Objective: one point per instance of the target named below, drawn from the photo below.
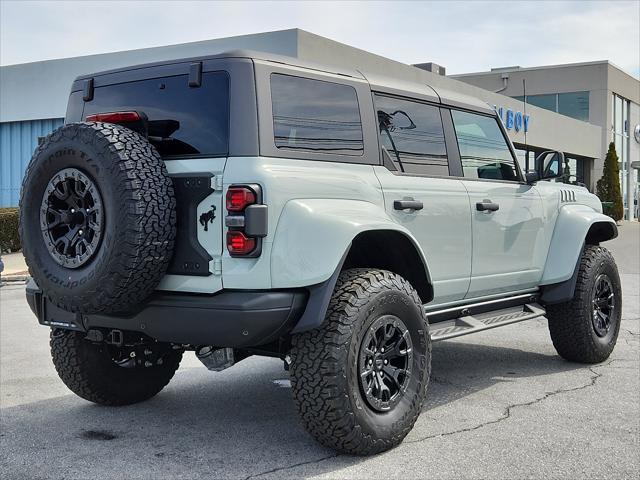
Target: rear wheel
(111, 375)
(359, 381)
(585, 329)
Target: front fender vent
(567, 196)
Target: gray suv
(247, 204)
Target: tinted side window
(183, 121)
(315, 115)
(483, 149)
(413, 135)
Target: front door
(507, 214)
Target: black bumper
(228, 318)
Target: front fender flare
(573, 225)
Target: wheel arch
(576, 226)
(394, 251)
(370, 248)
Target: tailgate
(196, 265)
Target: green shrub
(608, 187)
(9, 238)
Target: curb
(13, 279)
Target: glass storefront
(620, 131)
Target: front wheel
(110, 375)
(359, 381)
(585, 329)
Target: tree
(608, 187)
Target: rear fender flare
(312, 241)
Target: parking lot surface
(501, 404)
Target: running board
(468, 324)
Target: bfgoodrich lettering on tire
(359, 381)
(97, 217)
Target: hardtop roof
(387, 84)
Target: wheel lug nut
(382, 349)
(73, 210)
(386, 361)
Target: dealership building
(577, 109)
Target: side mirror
(549, 165)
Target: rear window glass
(315, 115)
(183, 121)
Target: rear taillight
(239, 244)
(114, 117)
(246, 220)
(238, 198)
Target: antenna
(524, 101)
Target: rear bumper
(225, 319)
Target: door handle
(408, 203)
(487, 206)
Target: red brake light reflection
(114, 117)
(239, 244)
(239, 197)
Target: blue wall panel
(18, 140)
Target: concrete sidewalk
(14, 265)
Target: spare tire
(97, 218)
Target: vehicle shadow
(236, 424)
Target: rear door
(509, 247)
(417, 172)
(188, 123)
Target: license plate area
(53, 316)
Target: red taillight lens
(114, 117)
(239, 197)
(239, 244)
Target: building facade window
(571, 104)
(620, 137)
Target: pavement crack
(507, 411)
(287, 467)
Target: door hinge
(216, 182)
(217, 266)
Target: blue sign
(513, 120)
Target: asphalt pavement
(501, 404)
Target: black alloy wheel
(386, 356)
(603, 305)
(71, 217)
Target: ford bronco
(249, 204)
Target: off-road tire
(139, 218)
(570, 323)
(324, 371)
(88, 370)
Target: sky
(463, 36)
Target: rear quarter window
(183, 121)
(316, 116)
